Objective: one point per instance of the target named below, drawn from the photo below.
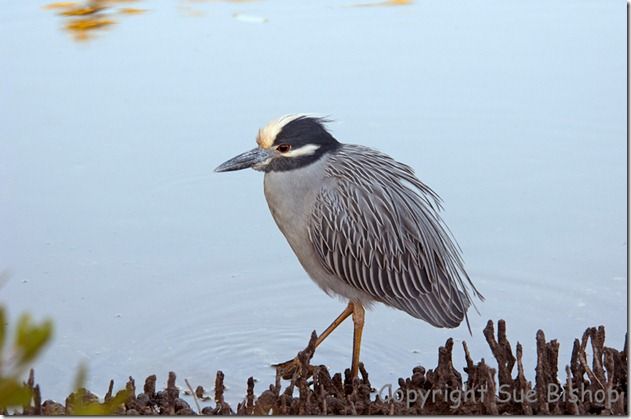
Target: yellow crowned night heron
(361, 224)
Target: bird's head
(287, 143)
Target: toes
(284, 364)
(287, 369)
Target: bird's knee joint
(358, 313)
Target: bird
(361, 224)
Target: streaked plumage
(362, 225)
(377, 227)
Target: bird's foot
(298, 366)
(288, 369)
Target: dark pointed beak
(254, 158)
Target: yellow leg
(288, 368)
(358, 322)
(347, 312)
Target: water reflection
(385, 3)
(242, 17)
(103, 232)
(83, 20)
(194, 8)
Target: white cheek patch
(305, 150)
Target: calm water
(114, 224)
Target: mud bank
(591, 384)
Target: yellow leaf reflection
(131, 11)
(82, 29)
(88, 24)
(82, 11)
(385, 3)
(83, 19)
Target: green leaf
(13, 394)
(31, 338)
(101, 409)
(81, 377)
(81, 407)
(22, 330)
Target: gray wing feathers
(377, 227)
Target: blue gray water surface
(114, 224)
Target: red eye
(283, 148)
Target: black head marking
(302, 131)
(305, 130)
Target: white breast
(291, 195)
